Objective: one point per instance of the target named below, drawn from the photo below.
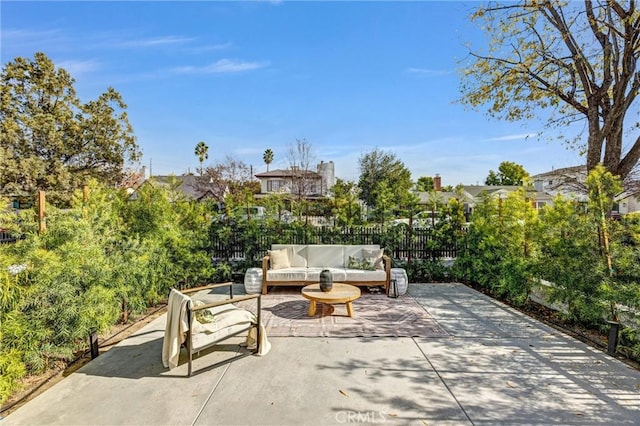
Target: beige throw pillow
(279, 259)
(357, 263)
(374, 257)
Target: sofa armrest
(265, 268)
(265, 264)
(386, 260)
(387, 269)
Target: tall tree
(300, 156)
(268, 157)
(379, 166)
(493, 179)
(410, 206)
(509, 173)
(202, 151)
(344, 203)
(385, 202)
(424, 184)
(577, 61)
(230, 177)
(51, 141)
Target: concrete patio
(495, 366)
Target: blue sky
(348, 77)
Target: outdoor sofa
(301, 264)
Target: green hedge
(510, 246)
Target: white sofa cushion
(297, 254)
(360, 275)
(289, 274)
(337, 274)
(329, 256)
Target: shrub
(499, 250)
(103, 259)
(424, 270)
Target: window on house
(274, 185)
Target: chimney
(437, 183)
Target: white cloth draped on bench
(228, 320)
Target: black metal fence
(425, 243)
(6, 237)
(401, 242)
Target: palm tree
(268, 157)
(202, 151)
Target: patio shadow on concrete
(494, 365)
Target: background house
(471, 195)
(189, 186)
(570, 182)
(308, 183)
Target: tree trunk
(613, 150)
(594, 140)
(629, 161)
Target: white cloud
(152, 42)
(13, 34)
(221, 66)
(429, 72)
(41, 40)
(515, 137)
(76, 68)
(211, 47)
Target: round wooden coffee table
(340, 293)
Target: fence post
(613, 337)
(93, 344)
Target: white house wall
(629, 204)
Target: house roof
(475, 190)
(288, 173)
(193, 187)
(562, 172)
(470, 192)
(572, 180)
(132, 179)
